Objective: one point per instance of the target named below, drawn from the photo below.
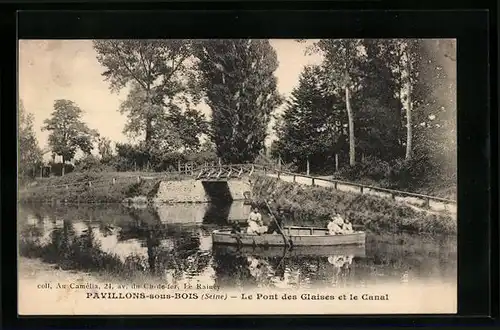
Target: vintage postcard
(237, 176)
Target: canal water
(172, 244)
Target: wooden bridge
(225, 172)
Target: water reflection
(129, 243)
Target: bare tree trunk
(307, 169)
(149, 119)
(409, 106)
(63, 162)
(352, 141)
(336, 162)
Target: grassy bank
(75, 188)
(312, 205)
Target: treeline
(380, 110)
(375, 110)
(166, 80)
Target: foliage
(342, 70)
(159, 74)
(403, 98)
(379, 128)
(91, 163)
(67, 131)
(237, 79)
(30, 155)
(105, 149)
(138, 157)
(312, 125)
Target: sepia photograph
(237, 176)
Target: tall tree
(29, 152)
(68, 133)
(238, 79)
(378, 103)
(341, 65)
(312, 124)
(158, 69)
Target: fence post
(138, 179)
(312, 182)
(90, 183)
(294, 178)
(113, 182)
(361, 190)
(278, 174)
(393, 196)
(428, 202)
(335, 185)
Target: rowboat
(295, 236)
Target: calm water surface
(173, 244)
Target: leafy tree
(67, 131)
(30, 154)
(162, 133)
(378, 101)
(237, 77)
(312, 125)
(341, 63)
(104, 147)
(190, 125)
(158, 69)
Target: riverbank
(309, 205)
(97, 187)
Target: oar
(277, 223)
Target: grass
(74, 187)
(307, 205)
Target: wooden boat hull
(298, 251)
(298, 236)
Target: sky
(68, 69)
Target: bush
(370, 168)
(91, 163)
(56, 168)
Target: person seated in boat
(335, 225)
(273, 227)
(235, 227)
(255, 223)
(347, 227)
